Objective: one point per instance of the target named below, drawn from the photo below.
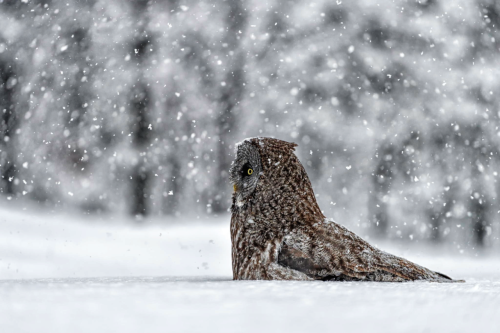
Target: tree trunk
(381, 179)
(8, 83)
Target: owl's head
(267, 173)
(258, 158)
(245, 169)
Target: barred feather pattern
(278, 231)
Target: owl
(278, 231)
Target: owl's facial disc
(245, 170)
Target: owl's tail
(410, 271)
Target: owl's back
(329, 251)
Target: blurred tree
(381, 179)
(8, 124)
(140, 175)
(140, 106)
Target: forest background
(134, 107)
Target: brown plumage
(279, 233)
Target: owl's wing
(329, 251)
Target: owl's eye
(246, 170)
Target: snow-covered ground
(67, 274)
(46, 246)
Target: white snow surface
(68, 274)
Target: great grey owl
(278, 231)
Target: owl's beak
(235, 188)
